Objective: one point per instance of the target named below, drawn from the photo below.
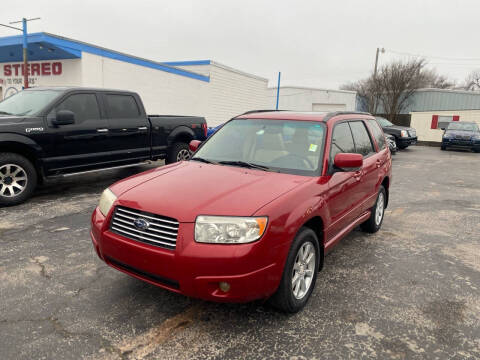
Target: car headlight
(404, 133)
(229, 230)
(106, 201)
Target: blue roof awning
(44, 46)
(39, 48)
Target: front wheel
(18, 179)
(179, 151)
(374, 222)
(299, 274)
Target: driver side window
(84, 106)
(342, 140)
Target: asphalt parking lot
(410, 291)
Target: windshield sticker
(312, 147)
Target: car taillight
(205, 129)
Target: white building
(312, 99)
(203, 88)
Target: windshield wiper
(5, 113)
(246, 165)
(206, 161)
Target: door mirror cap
(348, 161)
(194, 144)
(64, 117)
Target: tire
(290, 297)
(18, 179)
(178, 152)
(476, 150)
(443, 147)
(374, 223)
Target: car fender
(24, 141)
(181, 131)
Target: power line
(432, 57)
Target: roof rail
(336, 113)
(258, 111)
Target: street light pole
(24, 46)
(25, 54)
(375, 78)
(278, 90)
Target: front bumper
(193, 269)
(459, 143)
(406, 141)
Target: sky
(313, 43)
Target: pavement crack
(39, 261)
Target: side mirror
(194, 144)
(64, 117)
(348, 161)
(442, 129)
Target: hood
(462, 133)
(188, 189)
(399, 128)
(20, 121)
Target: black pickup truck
(51, 132)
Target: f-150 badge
(30, 130)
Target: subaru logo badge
(141, 224)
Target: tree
(472, 82)
(391, 90)
(366, 92)
(433, 80)
(397, 82)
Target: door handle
(379, 163)
(142, 128)
(102, 130)
(358, 175)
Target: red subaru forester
(255, 210)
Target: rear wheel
(18, 179)
(374, 222)
(179, 151)
(443, 147)
(299, 274)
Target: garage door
(329, 107)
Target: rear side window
(84, 106)
(363, 143)
(377, 133)
(122, 106)
(342, 140)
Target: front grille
(412, 133)
(462, 137)
(160, 230)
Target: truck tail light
(205, 129)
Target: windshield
(462, 126)
(27, 102)
(383, 122)
(288, 146)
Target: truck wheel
(374, 222)
(299, 274)
(178, 152)
(18, 179)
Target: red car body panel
(338, 201)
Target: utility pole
(375, 78)
(24, 46)
(278, 90)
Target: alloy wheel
(303, 270)
(183, 154)
(379, 209)
(13, 180)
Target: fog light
(224, 286)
